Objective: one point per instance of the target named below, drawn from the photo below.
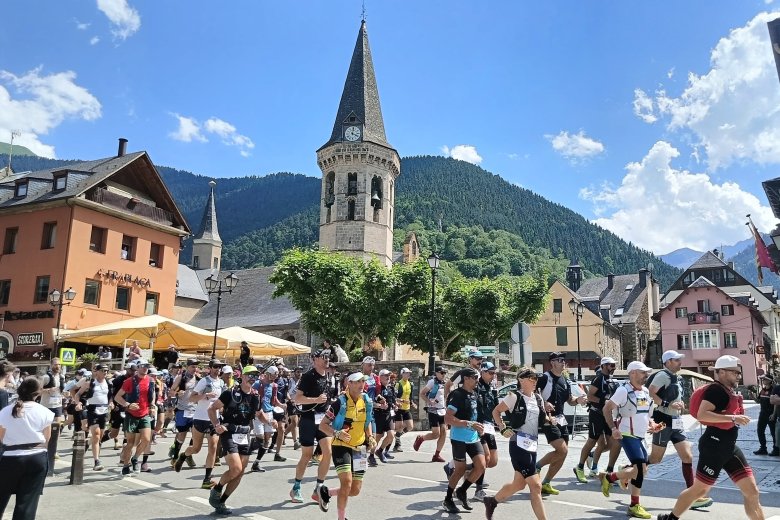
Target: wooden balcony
(702, 318)
(130, 205)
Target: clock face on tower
(352, 133)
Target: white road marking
(419, 479)
(583, 506)
(199, 500)
(251, 516)
(140, 482)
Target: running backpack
(734, 407)
(89, 393)
(133, 396)
(667, 393)
(434, 389)
(338, 420)
(516, 417)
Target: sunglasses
(558, 360)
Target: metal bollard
(77, 461)
(52, 447)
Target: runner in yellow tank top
(404, 402)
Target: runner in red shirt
(136, 395)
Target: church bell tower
(359, 168)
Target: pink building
(704, 322)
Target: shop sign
(29, 339)
(706, 363)
(31, 315)
(109, 275)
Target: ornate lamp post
(56, 300)
(433, 262)
(214, 286)
(578, 309)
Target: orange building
(109, 229)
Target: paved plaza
(407, 488)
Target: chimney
(643, 278)
(731, 265)
(610, 281)
(122, 147)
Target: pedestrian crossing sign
(68, 356)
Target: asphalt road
(410, 487)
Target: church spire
(208, 224)
(359, 104)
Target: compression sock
(260, 453)
(218, 487)
(581, 465)
(224, 498)
(480, 481)
(612, 477)
(634, 500)
(450, 491)
(297, 484)
(687, 471)
(465, 486)
(208, 473)
(145, 459)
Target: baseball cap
(226, 370)
(557, 355)
(368, 360)
(153, 371)
(476, 354)
(191, 362)
(671, 354)
(469, 372)
(405, 370)
(384, 372)
(487, 366)
(608, 361)
(81, 371)
(130, 364)
(441, 370)
(638, 365)
(299, 368)
(272, 370)
(101, 367)
(321, 352)
(357, 376)
(165, 372)
(249, 370)
(767, 377)
(527, 373)
(726, 362)
(215, 363)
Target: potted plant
(87, 361)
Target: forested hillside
(489, 226)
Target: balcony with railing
(703, 318)
(130, 205)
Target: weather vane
(363, 13)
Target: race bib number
(318, 418)
(677, 423)
(242, 439)
(122, 414)
(489, 429)
(527, 442)
(560, 420)
(55, 402)
(189, 414)
(359, 461)
(101, 410)
(392, 413)
(441, 411)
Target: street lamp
(578, 309)
(433, 262)
(214, 286)
(56, 300)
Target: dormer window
(60, 182)
(21, 189)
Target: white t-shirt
(53, 399)
(438, 400)
(531, 424)
(633, 410)
(99, 393)
(207, 385)
(27, 429)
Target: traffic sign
(68, 356)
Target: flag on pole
(762, 253)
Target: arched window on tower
(376, 196)
(330, 189)
(352, 185)
(351, 209)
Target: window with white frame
(729, 340)
(683, 342)
(705, 339)
(680, 312)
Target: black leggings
(763, 422)
(24, 477)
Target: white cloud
(670, 73)
(81, 26)
(39, 104)
(462, 152)
(643, 106)
(732, 110)
(125, 21)
(660, 208)
(94, 40)
(575, 147)
(189, 130)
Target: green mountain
(488, 226)
(745, 264)
(18, 150)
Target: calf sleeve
(640, 477)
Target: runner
(348, 421)
(434, 396)
(487, 400)
(238, 406)
(136, 396)
(721, 410)
(292, 411)
(74, 409)
(475, 358)
(667, 393)
(601, 388)
(185, 409)
(265, 424)
(633, 405)
(118, 413)
(97, 395)
(208, 390)
(526, 417)
(465, 439)
(312, 397)
(556, 392)
(280, 412)
(404, 390)
(53, 386)
(384, 410)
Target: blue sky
(655, 119)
